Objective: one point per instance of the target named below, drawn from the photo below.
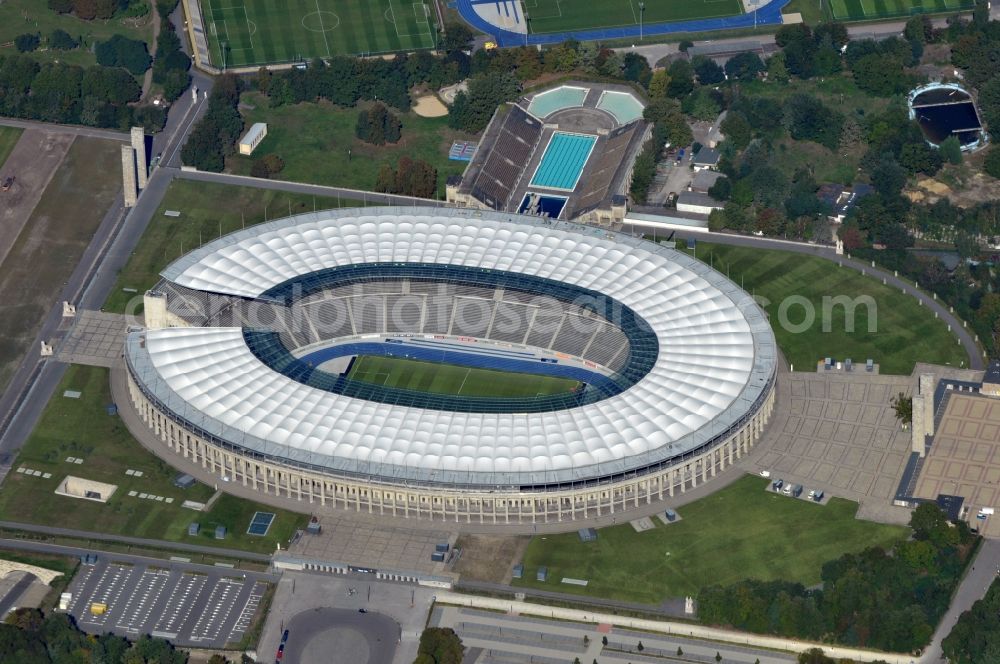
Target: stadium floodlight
(642, 10)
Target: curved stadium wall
(689, 395)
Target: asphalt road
(67, 129)
(339, 636)
(964, 335)
(136, 541)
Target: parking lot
(191, 605)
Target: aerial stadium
(474, 366)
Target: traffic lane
(317, 630)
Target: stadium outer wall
(279, 483)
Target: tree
(266, 166)
(815, 656)
(457, 37)
(680, 653)
(777, 69)
(377, 125)
(744, 67)
(920, 158)
(808, 119)
(26, 43)
(61, 6)
(736, 129)
(472, 110)
(903, 406)
(217, 659)
(441, 645)
(722, 189)
(708, 72)
(888, 178)
(681, 79)
(61, 40)
(658, 84)
(951, 150)
(879, 75)
(718, 656)
(121, 51)
(992, 162)
(640, 647)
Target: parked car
(777, 484)
(818, 497)
(765, 473)
(812, 494)
(787, 490)
(284, 637)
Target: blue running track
(770, 14)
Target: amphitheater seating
(610, 154)
(413, 307)
(516, 141)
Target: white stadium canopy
(716, 353)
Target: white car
(812, 494)
(765, 473)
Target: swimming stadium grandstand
(292, 358)
(563, 153)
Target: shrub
(60, 40)
(121, 51)
(992, 163)
(26, 43)
(61, 6)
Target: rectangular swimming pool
(563, 162)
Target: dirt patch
(429, 106)
(31, 163)
(58, 230)
(489, 558)
(933, 186)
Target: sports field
(253, 32)
(453, 379)
(740, 532)
(857, 10)
(563, 15)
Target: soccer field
(453, 379)
(561, 15)
(856, 10)
(253, 32)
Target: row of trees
(888, 600)
(98, 9)
(54, 92)
(975, 638)
(411, 177)
(27, 635)
(171, 66)
(214, 137)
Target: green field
(858, 10)
(314, 140)
(905, 332)
(81, 428)
(456, 380)
(32, 16)
(562, 15)
(202, 219)
(740, 532)
(255, 32)
(9, 137)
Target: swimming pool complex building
(563, 153)
(240, 369)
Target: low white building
(693, 201)
(253, 137)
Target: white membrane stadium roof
(716, 357)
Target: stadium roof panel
(717, 353)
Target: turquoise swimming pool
(548, 102)
(622, 105)
(563, 161)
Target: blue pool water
(563, 161)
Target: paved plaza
(837, 431)
(298, 593)
(965, 457)
(362, 543)
(496, 638)
(193, 606)
(95, 339)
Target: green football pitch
(856, 10)
(254, 32)
(455, 380)
(562, 15)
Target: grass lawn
(838, 91)
(452, 379)
(52, 242)
(559, 16)
(255, 32)
(9, 137)
(811, 10)
(30, 16)
(905, 332)
(81, 428)
(858, 10)
(207, 210)
(740, 532)
(314, 139)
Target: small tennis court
(563, 162)
(260, 523)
